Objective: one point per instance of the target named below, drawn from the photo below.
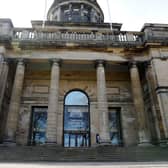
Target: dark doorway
(115, 126)
(76, 120)
(38, 125)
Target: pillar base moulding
(9, 142)
(145, 143)
(103, 142)
(48, 143)
(163, 143)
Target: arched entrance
(76, 119)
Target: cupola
(76, 11)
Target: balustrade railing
(74, 36)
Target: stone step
(99, 154)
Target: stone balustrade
(93, 35)
(120, 37)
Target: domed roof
(59, 1)
(75, 11)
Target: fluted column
(153, 98)
(3, 79)
(14, 107)
(53, 103)
(143, 132)
(102, 103)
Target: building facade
(73, 82)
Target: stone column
(163, 103)
(153, 98)
(14, 107)
(102, 103)
(1, 66)
(3, 79)
(143, 132)
(53, 103)
(3, 74)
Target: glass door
(38, 126)
(115, 126)
(77, 139)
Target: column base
(10, 143)
(163, 143)
(145, 144)
(49, 143)
(104, 142)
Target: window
(76, 120)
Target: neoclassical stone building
(71, 81)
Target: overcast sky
(132, 13)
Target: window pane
(39, 123)
(76, 118)
(76, 98)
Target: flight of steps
(97, 154)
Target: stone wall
(36, 89)
(161, 73)
(160, 64)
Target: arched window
(76, 119)
(76, 98)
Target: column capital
(132, 64)
(100, 63)
(21, 61)
(5, 60)
(148, 64)
(55, 61)
(2, 50)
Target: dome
(76, 11)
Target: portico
(76, 83)
(104, 84)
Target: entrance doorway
(38, 126)
(115, 126)
(76, 120)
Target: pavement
(85, 165)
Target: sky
(131, 13)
